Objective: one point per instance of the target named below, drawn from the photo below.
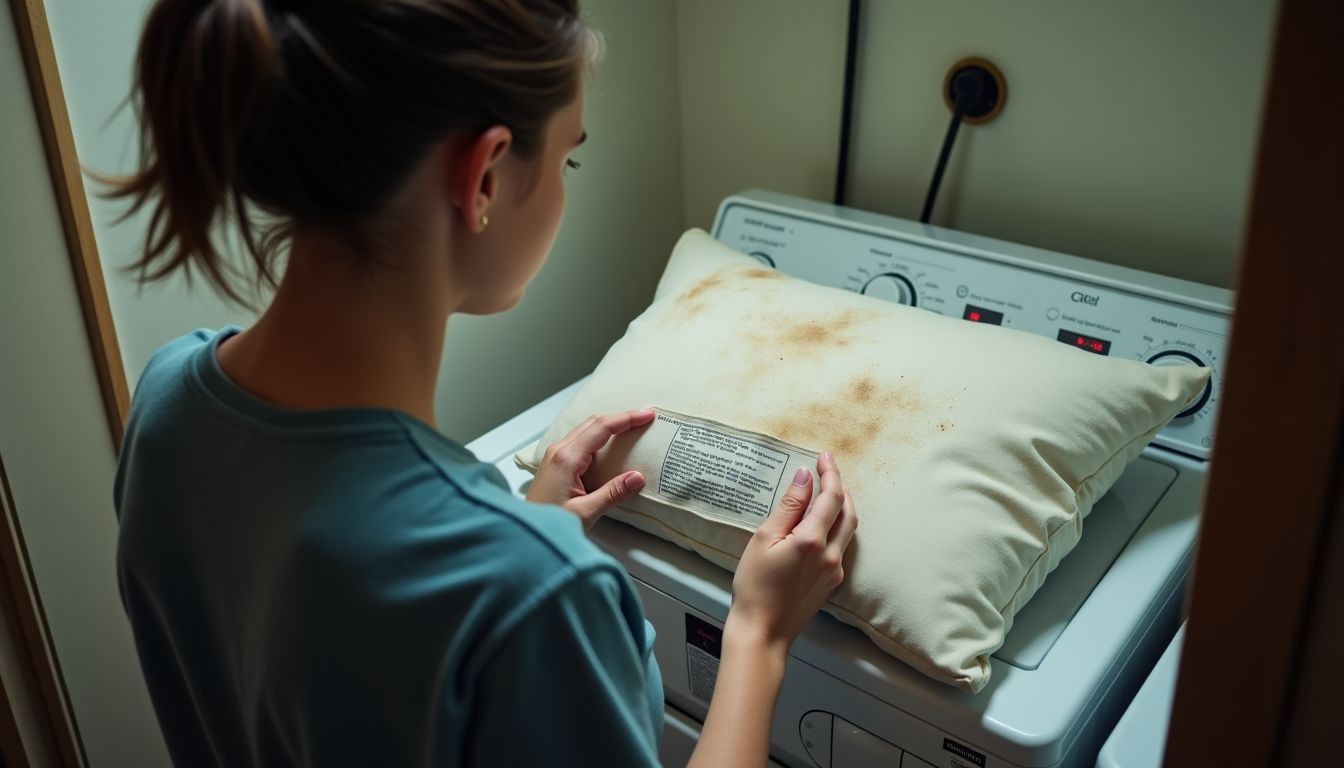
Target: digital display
(981, 315)
(1090, 343)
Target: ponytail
(206, 74)
(272, 115)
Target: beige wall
(95, 46)
(1127, 135)
(56, 447)
(761, 87)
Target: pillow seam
(1073, 516)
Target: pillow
(973, 452)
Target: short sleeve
(568, 684)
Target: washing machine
(1140, 738)
(1079, 651)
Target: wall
(1127, 135)
(95, 48)
(762, 82)
(57, 451)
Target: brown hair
(276, 114)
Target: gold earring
(485, 221)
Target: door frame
(67, 178)
(1275, 482)
(40, 684)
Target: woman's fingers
(791, 507)
(845, 524)
(613, 492)
(827, 503)
(570, 435)
(599, 429)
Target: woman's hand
(790, 567)
(793, 562)
(559, 479)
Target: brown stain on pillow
(735, 278)
(698, 290)
(756, 273)
(808, 337)
(863, 389)
(692, 302)
(866, 420)
(698, 297)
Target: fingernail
(827, 456)
(800, 477)
(634, 483)
(646, 409)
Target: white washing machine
(1140, 737)
(1080, 649)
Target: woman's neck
(345, 334)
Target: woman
(313, 574)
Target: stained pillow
(973, 452)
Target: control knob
(892, 287)
(1172, 357)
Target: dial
(892, 287)
(764, 258)
(1172, 357)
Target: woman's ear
(474, 174)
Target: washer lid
(1107, 530)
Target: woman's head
(314, 114)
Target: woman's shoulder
(174, 354)
(477, 491)
(417, 510)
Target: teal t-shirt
(351, 587)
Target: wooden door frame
(12, 751)
(53, 119)
(21, 608)
(20, 602)
(1275, 477)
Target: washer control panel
(1098, 308)
(834, 742)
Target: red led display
(981, 315)
(1090, 343)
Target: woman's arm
(737, 729)
(789, 569)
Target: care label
(720, 471)
(704, 646)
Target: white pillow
(973, 452)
